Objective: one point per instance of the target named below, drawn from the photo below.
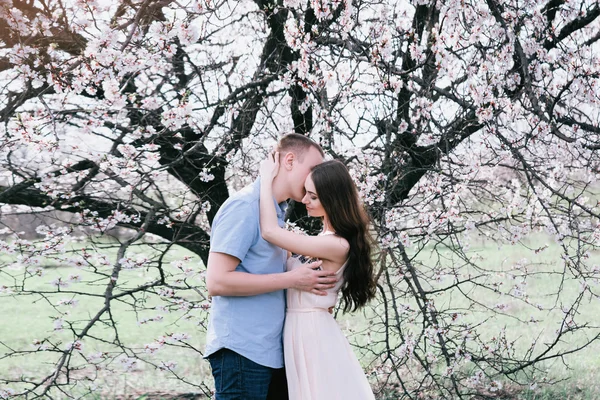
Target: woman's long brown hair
(339, 197)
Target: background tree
(459, 120)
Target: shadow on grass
(156, 396)
(573, 391)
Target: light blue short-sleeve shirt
(249, 325)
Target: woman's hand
(269, 168)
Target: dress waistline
(307, 310)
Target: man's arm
(223, 280)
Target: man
(246, 277)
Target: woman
(320, 364)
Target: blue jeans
(238, 378)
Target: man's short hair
(297, 144)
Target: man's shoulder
(244, 200)
(247, 194)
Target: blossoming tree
(459, 120)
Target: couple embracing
(255, 323)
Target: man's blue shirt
(249, 325)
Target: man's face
(300, 171)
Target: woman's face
(311, 199)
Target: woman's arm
(267, 213)
(329, 247)
(223, 280)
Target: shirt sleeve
(235, 230)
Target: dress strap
(339, 271)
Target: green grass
(27, 318)
(576, 389)
(579, 381)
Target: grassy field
(577, 374)
(25, 319)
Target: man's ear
(288, 160)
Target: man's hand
(308, 279)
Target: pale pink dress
(319, 362)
